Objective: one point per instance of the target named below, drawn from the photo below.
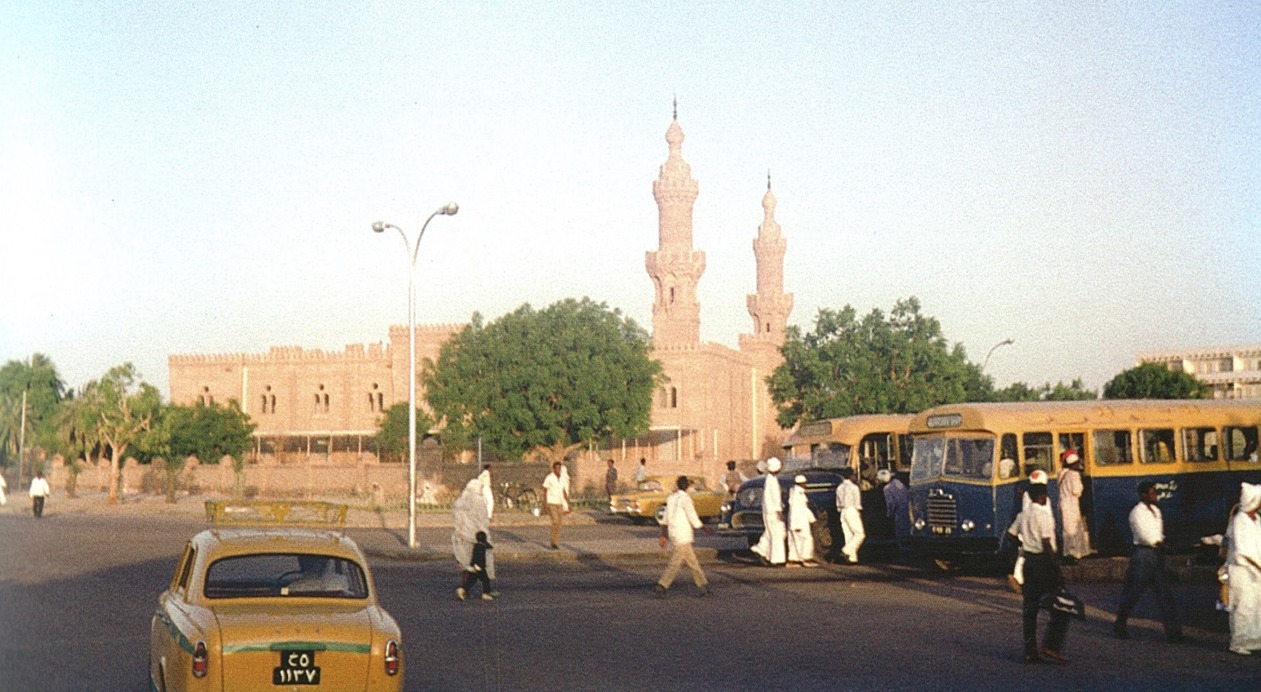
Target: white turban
(800, 480)
(773, 465)
(761, 467)
(883, 476)
(1249, 497)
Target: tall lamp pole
(412, 250)
(1004, 342)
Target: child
(477, 569)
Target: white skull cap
(773, 465)
(1038, 477)
(884, 476)
(800, 479)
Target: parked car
(742, 516)
(267, 607)
(649, 497)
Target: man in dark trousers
(1147, 566)
(1035, 528)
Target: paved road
(77, 591)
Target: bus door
(876, 451)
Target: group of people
(789, 540)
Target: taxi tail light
(391, 657)
(200, 660)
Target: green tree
(207, 432)
(1154, 381)
(116, 411)
(850, 366)
(392, 430)
(544, 382)
(44, 389)
(1019, 391)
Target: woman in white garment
(772, 544)
(468, 516)
(800, 517)
(1243, 568)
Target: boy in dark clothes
(477, 571)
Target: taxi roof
(245, 540)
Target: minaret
(770, 306)
(675, 268)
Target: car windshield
(955, 457)
(284, 575)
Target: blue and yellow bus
(970, 460)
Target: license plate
(296, 668)
(943, 530)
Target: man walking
(772, 544)
(610, 481)
(1147, 566)
(556, 496)
(800, 517)
(1035, 528)
(678, 524)
(849, 504)
(39, 491)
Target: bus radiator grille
(942, 511)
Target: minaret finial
(676, 106)
(768, 180)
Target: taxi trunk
(295, 647)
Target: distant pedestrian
(488, 491)
(1035, 529)
(1147, 566)
(897, 504)
(610, 481)
(771, 545)
(556, 496)
(1243, 569)
(1076, 540)
(641, 473)
(800, 519)
(470, 525)
(732, 480)
(679, 524)
(39, 492)
(4, 500)
(849, 504)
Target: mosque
(322, 408)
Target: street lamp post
(1004, 342)
(412, 250)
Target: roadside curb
(561, 555)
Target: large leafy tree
(874, 364)
(544, 382)
(1154, 381)
(115, 412)
(208, 432)
(392, 431)
(44, 390)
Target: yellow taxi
(273, 598)
(649, 497)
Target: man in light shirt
(678, 524)
(39, 492)
(556, 496)
(849, 504)
(1147, 566)
(1035, 528)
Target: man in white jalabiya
(849, 504)
(488, 491)
(772, 544)
(468, 517)
(1076, 541)
(1243, 569)
(800, 517)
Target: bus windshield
(955, 457)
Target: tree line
(541, 384)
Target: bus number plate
(943, 530)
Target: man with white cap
(771, 545)
(800, 517)
(849, 504)
(897, 504)
(1076, 542)
(1243, 570)
(1017, 576)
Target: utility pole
(22, 445)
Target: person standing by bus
(1243, 566)
(1035, 528)
(1076, 540)
(849, 504)
(897, 506)
(1147, 566)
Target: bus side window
(1008, 456)
(1240, 443)
(1112, 447)
(1199, 444)
(1039, 452)
(1157, 446)
(906, 445)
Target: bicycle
(517, 496)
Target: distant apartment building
(318, 406)
(1232, 372)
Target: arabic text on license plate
(296, 668)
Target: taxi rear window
(285, 575)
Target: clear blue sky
(201, 177)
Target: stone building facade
(1232, 372)
(322, 408)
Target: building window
(674, 397)
(205, 398)
(376, 399)
(321, 401)
(268, 400)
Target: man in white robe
(800, 518)
(1243, 569)
(773, 542)
(1076, 541)
(849, 504)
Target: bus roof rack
(277, 513)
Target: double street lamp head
(449, 209)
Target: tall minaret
(769, 307)
(675, 268)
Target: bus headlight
(919, 524)
(967, 525)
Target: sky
(202, 177)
